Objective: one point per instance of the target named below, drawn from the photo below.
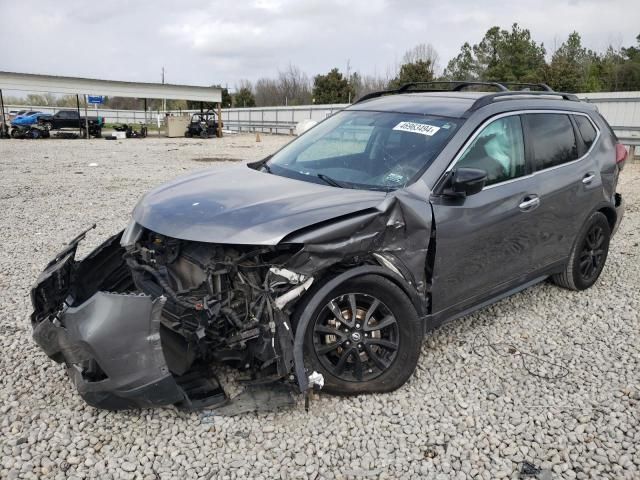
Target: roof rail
(489, 98)
(540, 86)
(457, 86)
(544, 90)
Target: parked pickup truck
(70, 119)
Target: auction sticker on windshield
(421, 128)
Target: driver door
(485, 241)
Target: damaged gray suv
(327, 262)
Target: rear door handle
(588, 178)
(530, 202)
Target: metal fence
(621, 109)
(282, 120)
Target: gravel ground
(475, 407)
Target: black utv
(203, 125)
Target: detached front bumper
(109, 342)
(111, 346)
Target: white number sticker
(421, 128)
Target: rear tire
(378, 351)
(588, 255)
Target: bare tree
(266, 92)
(364, 84)
(424, 52)
(244, 84)
(294, 86)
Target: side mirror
(464, 181)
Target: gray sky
(204, 42)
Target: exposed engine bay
(225, 302)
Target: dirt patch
(216, 159)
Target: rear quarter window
(551, 138)
(586, 129)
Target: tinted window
(498, 150)
(552, 139)
(587, 132)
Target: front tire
(588, 255)
(365, 337)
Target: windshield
(369, 150)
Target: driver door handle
(530, 202)
(588, 178)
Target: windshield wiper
(330, 181)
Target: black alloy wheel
(593, 253)
(365, 335)
(588, 255)
(356, 337)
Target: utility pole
(5, 129)
(86, 118)
(349, 79)
(164, 100)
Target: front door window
(498, 150)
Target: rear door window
(551, 139)
(586, 129)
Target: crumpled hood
(244, 206)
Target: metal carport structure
(88, 86)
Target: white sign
(421, 128)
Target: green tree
(462, 66)
(628, 71)
(501, 55)
(573, 68)
(244, 98)
(332, 88)
(418, 71)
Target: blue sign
(95, 99)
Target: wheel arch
(609, 212)
(327, 284)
